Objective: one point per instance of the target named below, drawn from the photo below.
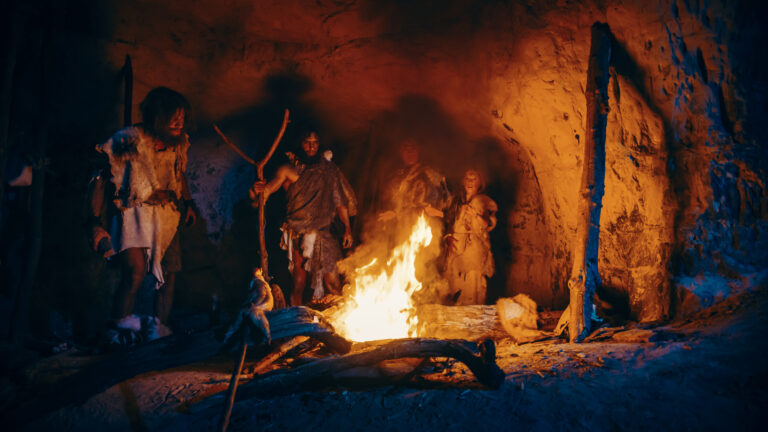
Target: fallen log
(164, 353)
(479, 358)
(276, 354)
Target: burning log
(475, 322)
(164, 353)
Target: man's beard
(171, 140)
(310, 160)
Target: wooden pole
(584, 274)
(263, 199)
(260, 174)
(227, 411)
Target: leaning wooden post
(584, 275)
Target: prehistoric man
(317, 192)
(416, 189)
(469, 261)
(140, 197)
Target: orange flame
(380, 304)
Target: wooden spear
(262, 198)
(279, 302)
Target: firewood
(277, 354)
(164, 353)
(479, 358)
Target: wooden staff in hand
(277, 294)
(262, 198)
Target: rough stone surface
(497, 84)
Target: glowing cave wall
(498, 83)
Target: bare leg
(299, 278)
(164, 298)
(332, 283)
(134, 268)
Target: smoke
(445, 149)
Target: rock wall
(497, 83)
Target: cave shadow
(626, 66)
(502, 187)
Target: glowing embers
(379, 304)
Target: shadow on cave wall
(624, 65)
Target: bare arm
(431, 211)
(492, 208)
(285, 174)
(492, 221)
(96, 192)
(343, 213)
(190, 215)
(185, 195)
(96, 209)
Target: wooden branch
(233, 146)
(263, 199)
(232, 389)
(277, 354)
(162, 354)
(481, 360)
(263, 162)
(584, 274)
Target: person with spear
(317, 193)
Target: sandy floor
(704, 374)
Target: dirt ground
(706, 373)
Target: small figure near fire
(317, 192)
(468, 258)
(149, 194)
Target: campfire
(379, 302)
